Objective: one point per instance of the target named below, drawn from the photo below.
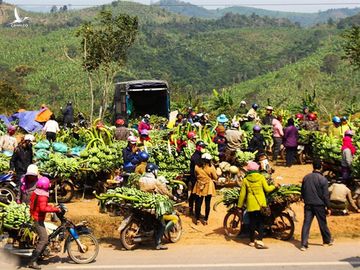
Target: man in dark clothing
(267, 120)
(257, 142)
(315, 193)
(22, 157)
(131, 154)
(194, 160)
(68, 114)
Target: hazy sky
(284, 5)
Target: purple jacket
(291, 136)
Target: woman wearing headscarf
(252, 194)
(348, 151)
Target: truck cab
(137, 98)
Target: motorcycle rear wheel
(283, 227)
(232, 223)
(127, 236)
(65, 192)
(90, 245)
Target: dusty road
(233, 255)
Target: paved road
(280, 255)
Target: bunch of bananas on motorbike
(327, 148)
(58, 165)
(4, 163)
(242, 158)
(230, 197)
(138, 199)
(14, 215)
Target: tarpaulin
(5, 119)
(27, 121)
(43, 116)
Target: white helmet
(29, 137)
(206, 156)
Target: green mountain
(350, 21)
(304, 19)
(322, 78)
(192, 54)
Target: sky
(282, 5)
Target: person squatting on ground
(340, 198)
(204, 187)
(38, 208)
(130, 154)
(151, 183)
(315, 193)
(253, 196)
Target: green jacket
(257, 183)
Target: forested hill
(304, 19)
(192, 54)
(323, 79)
(350, 21)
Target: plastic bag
(60, 147)
(44, 144)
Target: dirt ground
(105, 227)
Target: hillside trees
(104, 46)
(352, 46)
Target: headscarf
(347, 143)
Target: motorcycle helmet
(191, 135)
(344, 119)
(43, 183)
(256, 128)
(143, 156)
(255, 106)
(299, 116)
(120, 122)
(132, 139)
(336, 120)
(349, 133)
(11, 130)
(152, 168)
(201, 144)
(312, 116)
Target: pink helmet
(43, 183)
(132, 139)
(349, 133)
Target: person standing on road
(348, 151)
(278, 133)
(38, 208)
(51, 128)
(315, 193)
(204, 187)
(194, 160)
(253, 195)
(290, 141)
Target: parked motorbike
(78, 241)
(8, 188)
(279, 224)
(140, 226)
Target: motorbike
(8, 188)
(140, 226)
(331, 171)
(280, 224)
(78, 241)
(62, 190)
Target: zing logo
(19, 22)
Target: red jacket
(143, 125)
(39, 207)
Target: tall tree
(352, 46)
(105, 43)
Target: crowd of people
(229, 136)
